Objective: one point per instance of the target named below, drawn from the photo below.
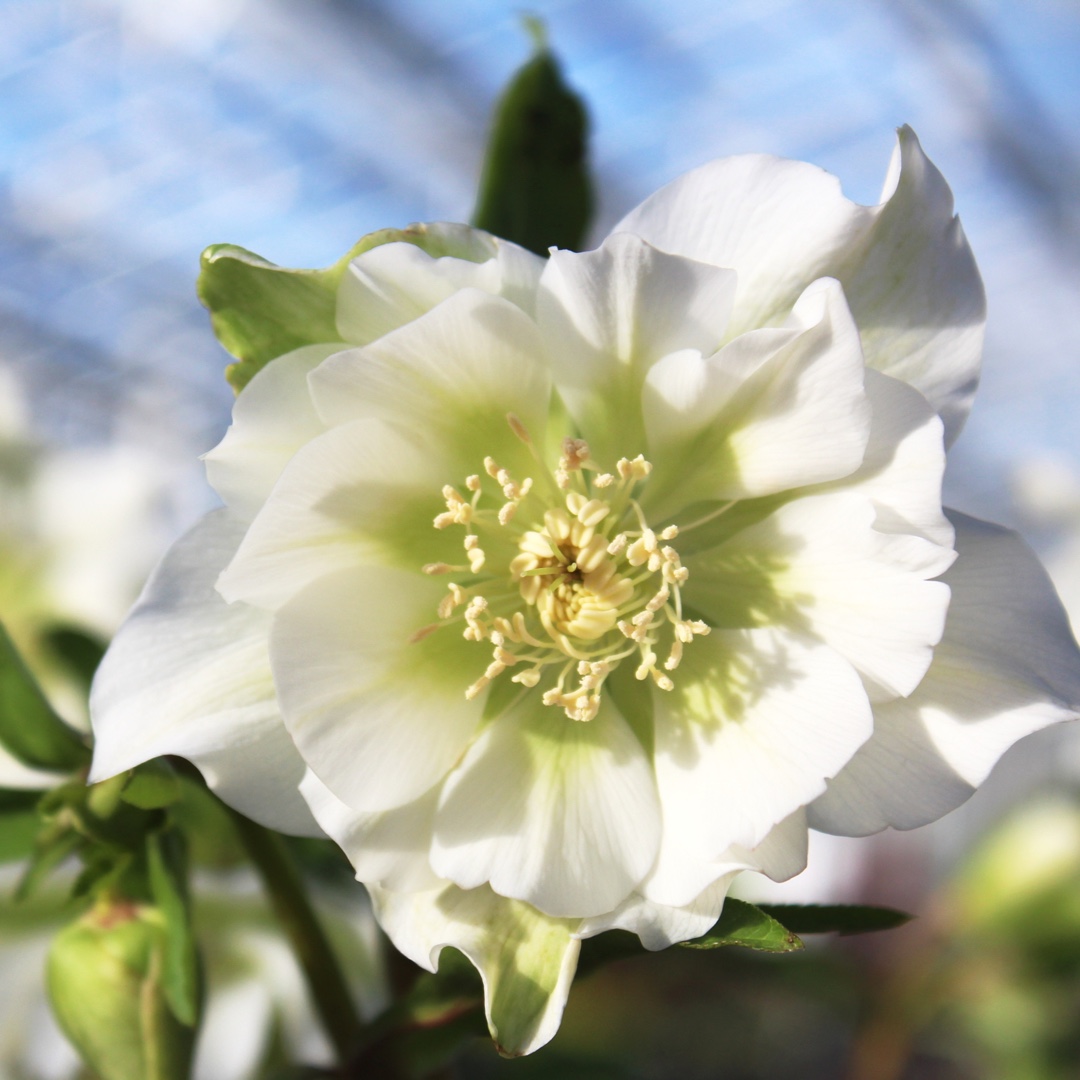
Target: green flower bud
(105, 985)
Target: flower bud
(104, 974)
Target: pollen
(566, 578)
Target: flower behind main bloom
(566, 590)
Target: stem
(288, 897)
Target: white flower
(577, 587)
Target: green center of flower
(590, 585)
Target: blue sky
(134, 133)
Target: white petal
(758, 720)
(905, 265)
(773, 410)
(915, 290)
(549, 810)
(1007, 666)
(355, 493)
(377, 716)
(781, 855)
(608, 315)
(453, 374)
(682, 874)
(188, 674)
(394, 283)
(661, 925)
(818, 563)
(777, 223)
(388, 849)
(272, 419)
(526, 959)
(904, 462)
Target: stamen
(592, 582)
(518, 428)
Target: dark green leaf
(20, 823)
(535, 188)
(167, 860)
(19, 826)
(743, 924)
(16, 800)
(78, 650)
(835, 918)
(29, 727)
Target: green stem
(288, 897)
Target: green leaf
(78, 650)
(50, 850)
(19, 824)
(835, 918)
(743, 924)
(29, 727)
(167, 860)
(260, 311)
(535, 187)
(152, 786)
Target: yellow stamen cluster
(592, 584)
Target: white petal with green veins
(526, 959)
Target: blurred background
(133, 133)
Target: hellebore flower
(563, 591)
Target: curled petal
(188, 674)
(905, 264)
(684, 895)
(818, 564)
(608, 315)
(388, 849)
(526, 959)
(1006, 666)
(453, 374)
(773, 410)
(392, 284)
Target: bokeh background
(133, 133)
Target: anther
(575, 452)
(617, 544)
(518, 428)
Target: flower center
(590, 584)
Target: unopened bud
(105, 985)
